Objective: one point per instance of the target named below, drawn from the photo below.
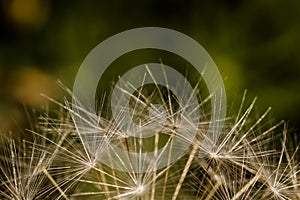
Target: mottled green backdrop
(255, 44)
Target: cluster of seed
(250, 160)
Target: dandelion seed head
(66, 158)
(274, 190)
(213, 155)
(139, 190)
(91, 164)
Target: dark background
(255, 44)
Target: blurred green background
(255, 44)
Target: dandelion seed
(64, 161)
